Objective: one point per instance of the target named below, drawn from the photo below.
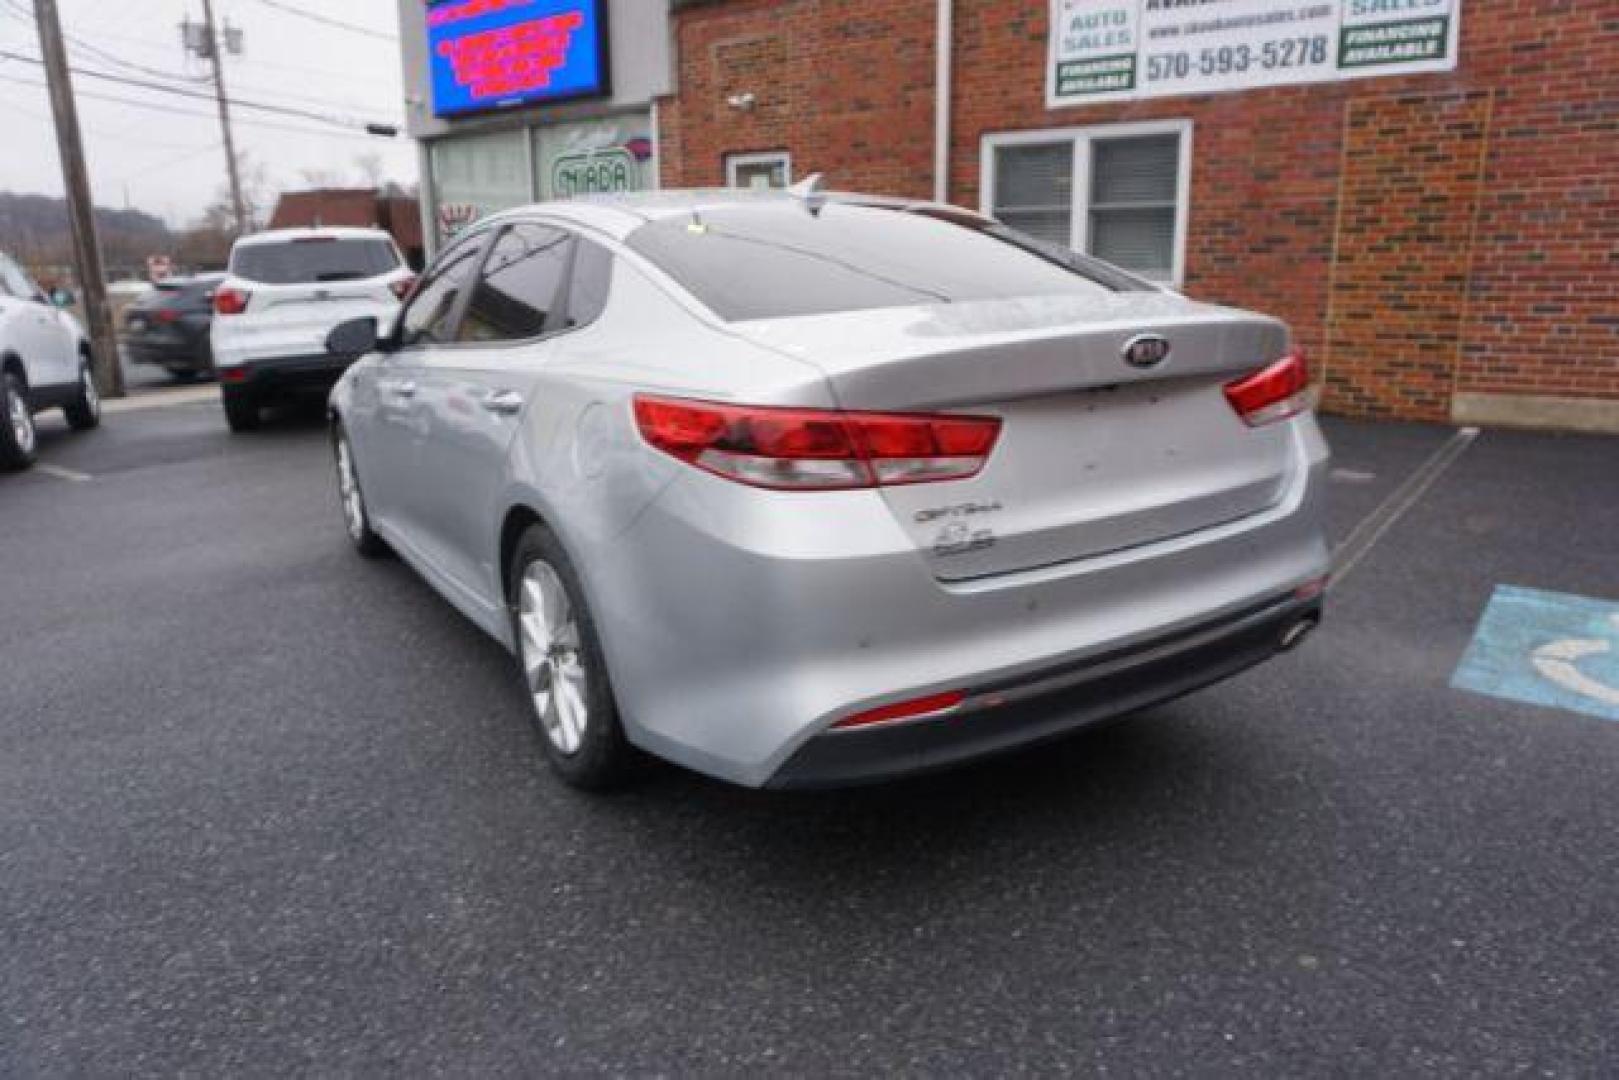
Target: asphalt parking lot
(266, 807)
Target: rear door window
(778, 259)
(314, 259)
(517, 292)
(429, 317)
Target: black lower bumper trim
(292, 376)
(1087, 693)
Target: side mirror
(353, 338)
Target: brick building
(1436, 213)
(398, 215)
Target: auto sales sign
(1103, 50)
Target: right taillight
(816, 449)
(1273, 393)
(231, 301)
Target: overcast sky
(167, 160)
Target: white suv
(44, 364)
(284, 291)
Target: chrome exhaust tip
(1299, 631)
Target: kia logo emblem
(1146, 350)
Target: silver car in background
(798, 490)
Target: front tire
(564, 673)
(356, 516)
(85, 412)
(242, 410)
(19, 445)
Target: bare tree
(371, 169)
(258, 196)
(320, 178)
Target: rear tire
(563, 670)
(242, 410)
(18, 443)
(85, 412)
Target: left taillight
(402, 287)
(1272, 393)
(231, 301)
(816, 449)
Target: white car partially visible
(44, 364)
(284, 291)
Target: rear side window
(516, 295)
(777, 259)
(591, 282)
(308, 260)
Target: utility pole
(81, 213)
(215, 48)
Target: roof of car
(277, 236)
(620, 214)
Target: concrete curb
(161, 399)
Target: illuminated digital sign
(496, 54)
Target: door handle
(504, 402)
(406, 389)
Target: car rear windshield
(778, 259)
(296, 262)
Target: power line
(103, 133)
(16, 9)
(146, 84)
(327, 20)
(151, 45)
(172, 110)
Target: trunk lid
(1095, 455)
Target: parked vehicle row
(168, 327)
(284, 291)
(799, 491)
(44, 364)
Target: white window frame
(1082, 138)
(763, 157)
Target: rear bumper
(1053, 703)
(284, 376)
(741, 626)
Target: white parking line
(62, 474)
(1372, 528)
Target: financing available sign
(1108, 50)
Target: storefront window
(475, 176)
(593, 157)
(1117, 192)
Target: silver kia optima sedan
(803, 490)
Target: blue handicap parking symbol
(1547, 649)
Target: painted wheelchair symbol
(1559, 661)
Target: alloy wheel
(348, 488)
(22, 421)
(92, 399)
(553, 664)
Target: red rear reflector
(1312, 589)
(1273, 393)
(231, 301)
(402, 287)
(905, 710)
(232, 375)
(816, 449)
